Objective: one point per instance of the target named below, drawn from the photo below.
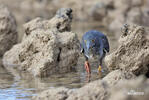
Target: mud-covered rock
(117, 75)
(135, 89)
(61, 22)
(47, 47)
(53, 94)
(145, 16)
(132, 54)
(8, 32)
(97, 90)
(97, 14)
(92, 91)
(124, 89)
(135, 16)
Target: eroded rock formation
(97, 90)
(131, 59)
(8, 32)
(132, 54)
(135, 89)
(48, 47)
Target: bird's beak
(87, 56)
(88, 50)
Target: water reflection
(22, 86)
(25, 86)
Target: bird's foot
(100, 69)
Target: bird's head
(91, 48)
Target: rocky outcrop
(118, 75)
(48, 47)
(97, 90)
(8, 32)
(92, 91)
(132, 54)
(131, 59)
(135, 89)
(123, 89)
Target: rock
(132, 54)
(127, 90)
(122, 5)
(62, 20)
(8, 32)
(116, 24)
(127, 11)
(118, 14)
(134, 16)
(145, 17)
(97, 90)
(117, 75)
(137, 2)
(98, 11)
(53, 94)
(84, 10)
(47, 47)
(124, 89)
(92, 91)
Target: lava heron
(94, 44)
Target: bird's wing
(105, 44)
(81, 48)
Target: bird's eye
(93, 41)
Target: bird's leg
(100, 71)
(100, 66)
(87, 67)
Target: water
(23, 86)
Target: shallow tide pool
(23, 86)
